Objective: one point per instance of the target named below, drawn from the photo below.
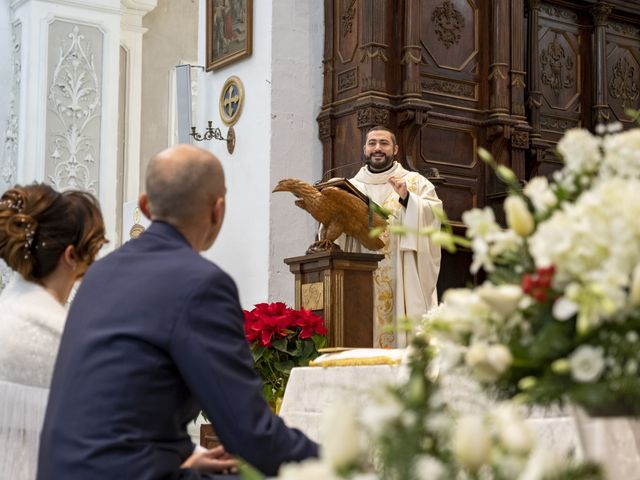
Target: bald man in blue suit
(155, 333)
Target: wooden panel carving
(449, 23)
(450, 32)
(444, 146)
(623, 68)
(458, 194)
(623, 85)
(450, 88)
(558, 66)
(369, 117)
(347, 79)
(559, 61)
(347, 40)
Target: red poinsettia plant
(282, 338)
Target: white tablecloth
(311, 390)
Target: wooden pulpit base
(339, 287)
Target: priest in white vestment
(405, 281)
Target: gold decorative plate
(231, 101)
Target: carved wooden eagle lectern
(338, 210)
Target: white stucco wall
(243, 246)
(276, 138)
(296, 151)
(6, 45)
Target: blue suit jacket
(154, 333)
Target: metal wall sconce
(215, 134)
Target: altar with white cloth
(311, 390)
(353, 375)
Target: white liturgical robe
(405, 281)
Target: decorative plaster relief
(74, 101)
(556, 66)
(449, 23)
(10, 157)
(623, 84)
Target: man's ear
(217, 211)
(395, 149)
(143, 203)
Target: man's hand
(216, 460)
(400, 186)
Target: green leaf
(247, 472)
(257, 352)
(319, 341)
(267, 391)
(307, 349)
(554, 340)
(280, 344)
(284, 366)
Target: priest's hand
(215, 460)
(400, 186)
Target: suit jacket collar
(166, 231)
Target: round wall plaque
(231, 101)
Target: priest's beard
(381, 167)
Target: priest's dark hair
(378, 128)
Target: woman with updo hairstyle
(48, 239)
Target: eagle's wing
(353, 215)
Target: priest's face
(379, 150)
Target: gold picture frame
(229, 31)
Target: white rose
(312, 469)
(564, 309)
(519, 217)
(480, 223)
(427, 467)
(472, 442)
(488, 362)
(544, 461)
(516, 437)
(449, 356)
(513, 432)
(381, 410)
(500, 358)
(538, 191)
(587, 363)
(503, 299)
(341, 446)
(580, 150)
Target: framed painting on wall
(229, 31)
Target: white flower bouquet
(407, 432)
(559, 315)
